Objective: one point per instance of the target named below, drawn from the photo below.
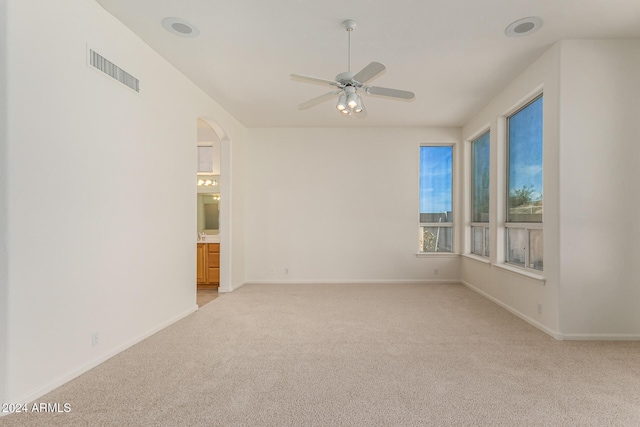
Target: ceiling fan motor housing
(345, 78)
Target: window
(524, 187)
(436, 211)
(480, 174)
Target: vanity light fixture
(207, 181)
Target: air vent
(99, 62)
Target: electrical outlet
(95, 339)
(286, 271)
(539, 308)
(435, 271)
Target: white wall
(3, 202)
(591, 229)
(338, 205)
(113, 254)
(516, 292)
(600, 210)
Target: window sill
(477, 258)
(539, 278)
(437, 255)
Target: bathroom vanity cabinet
(208, 265)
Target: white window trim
(469, 211)
(526, 225)
(528, 273)
(436, 224)
(478, 258)
(437, 254)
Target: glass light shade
(358, 108)
(342, 102)
(352, 100)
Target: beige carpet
(354, 355)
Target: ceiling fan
(349, 85)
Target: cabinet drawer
(213, 247)
(213, 259)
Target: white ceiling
(452, 53)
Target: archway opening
(212, 180)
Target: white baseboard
(65, 378)
(555, 334)
(232, 288)
(601, 337)
(345, 282)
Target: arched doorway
(214, 199)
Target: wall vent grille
(99, 62)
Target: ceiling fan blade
(391, 93)
(369, 72)
(316, 80)
(318, 100)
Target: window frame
(485, 225)
(449, 225)
(525, 226)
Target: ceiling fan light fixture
(347, 84)
(352, 100)
(359, 107)
(342, 102)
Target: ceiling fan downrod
(349, 25)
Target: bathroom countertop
(210, 238)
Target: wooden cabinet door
(213, 263)
(201, 259)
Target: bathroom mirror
(209, 213)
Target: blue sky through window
(435, 179)
(525, 149)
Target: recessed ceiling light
(524, 26)
(180, 27)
